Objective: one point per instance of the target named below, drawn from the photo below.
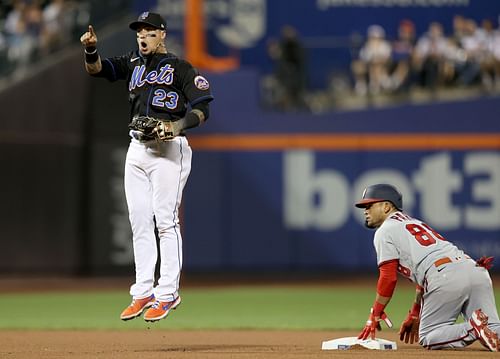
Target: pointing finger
(91, 30)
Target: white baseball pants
(155, 175)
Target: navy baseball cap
(380, 193)
(149, 19)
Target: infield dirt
(155, 343)
(192, 344)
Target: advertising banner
(294, 209)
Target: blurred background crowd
(33, 29)
(465, 61)
(469, 55)
(383, 68)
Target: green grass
(249, 307)
(215, 308)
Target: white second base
(348, 342)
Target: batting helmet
(379, 193)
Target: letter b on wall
(312, 200)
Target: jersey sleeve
(115, 68)
(385, 247)
(195, 86)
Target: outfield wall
(275, 191)
(268, 191)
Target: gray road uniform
(452, 282)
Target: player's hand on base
(373, 324)
(369, 329)
(89, 38)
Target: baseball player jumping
(449, 283)
(161, 87)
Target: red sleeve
(388, 276)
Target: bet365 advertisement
(276, 191)
(294, 209)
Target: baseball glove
(152, 128)
(166, 130)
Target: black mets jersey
(160, 85)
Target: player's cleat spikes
(160, 310)
(136, 307)
(486, 336)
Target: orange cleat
(136, 307)
(160, 310)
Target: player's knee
(165, 228)
(423, 340)
(427, 340)
(434, 341)
(140, 217)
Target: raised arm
(93, 63)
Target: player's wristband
(91, 55)
(378, 308)
(415, 310)
(189, 121)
